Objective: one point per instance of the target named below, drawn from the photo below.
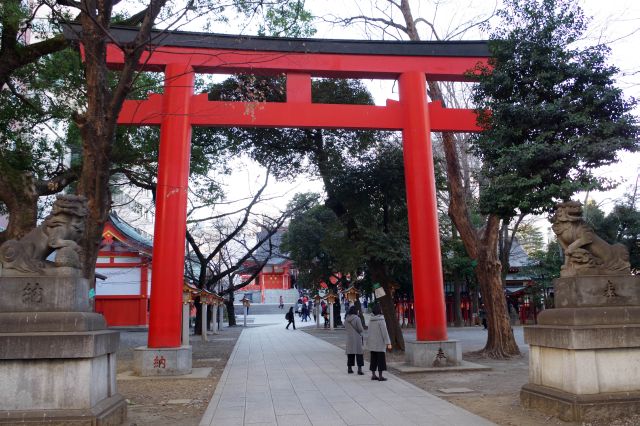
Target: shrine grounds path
(284, 377)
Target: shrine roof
(132, 236)
(457, 48)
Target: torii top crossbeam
(180, 55)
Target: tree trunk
(231, 312)
(457, 302)
(198, 327)
(97, 127)
(19, 196)
(337, 318)
(500, 340)
(379, 275)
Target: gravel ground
(161, 402)
(495, 393)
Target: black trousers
(291, 322)
(355, 357)
(378, 361)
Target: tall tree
(105, 93)
(538, 81)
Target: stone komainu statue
(60, 231)
(585, 253)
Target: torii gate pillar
(165, 355)
(431, 345)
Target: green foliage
(621, 225)
(530, 237)
(292, 152)
(278, 18)
(315, 241)
(555, 113)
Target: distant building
(277, 277)
(125, 260)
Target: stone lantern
(351, 294)
(189, 293)
(217, 303)
(206, 298)
(246, 303)
(331, 299)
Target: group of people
(378, 342)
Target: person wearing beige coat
(378, 342)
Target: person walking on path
(483, 316)
(290, 316)
(353, 326)
(378, 342)
(281, 305)
(305, 312)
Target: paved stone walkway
(283, 377)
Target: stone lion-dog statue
(60, 232)
(585, 252)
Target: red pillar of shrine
(171, 209)
(420, 182)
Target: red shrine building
(277, 277)
(124, 261)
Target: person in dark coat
(305, 312)
(354, 329)
(290, 316)
(378, 342)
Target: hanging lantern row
(330, 298)
(351, 294)
(190, 293)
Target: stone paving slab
(284, 377)
(403, 367)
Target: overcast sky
(615, 22)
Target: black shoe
(382, 379)
(360, 373)
(374, 377)
(350, 370)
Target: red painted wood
(274, 114)
(144, 279)
(228, 61)
(171, 209)
(428, 287)
(298, 88)
(177, 110)
(122, 310)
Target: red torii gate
(180, 55)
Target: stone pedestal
(57, 359)
(162, 361)
(584, 359)
(446, 353)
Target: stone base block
(40, 322)
(162, 361)
(57, 384)
(579, 408)
(601, 315)
(433, 354)
(584, 337)
(86, 344)
(597, 290)
(587, 371)
(67, 291)
(111, 411)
